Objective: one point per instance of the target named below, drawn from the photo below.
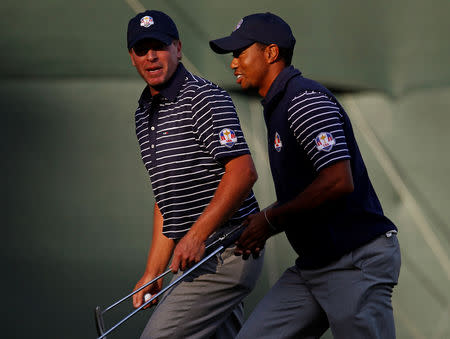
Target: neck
(153, 91)
(273, 71)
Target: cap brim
(229, 44)
(164, 38)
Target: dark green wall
(77, 202)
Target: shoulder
(304, 96)
(198, 86)
(204, 95)
(308, 99)
(310, 109)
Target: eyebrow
(238, 52)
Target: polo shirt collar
(278, 85)
(169, 90)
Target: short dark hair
(285, 53)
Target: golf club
(224, 240)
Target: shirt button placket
(153, 118)
(153, 137)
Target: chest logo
(325, 141)
(277, 142)
(147, 21)
(227, 137)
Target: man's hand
(187, 253)
(254, 237)
(138, 298)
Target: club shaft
(213, 253)
(162, 275)
(136, 291)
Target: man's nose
(151, 55)
(234, 63)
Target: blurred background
(76, 199)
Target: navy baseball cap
(266, 28)
(151, 25)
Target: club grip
(224, 238)
(233, 237)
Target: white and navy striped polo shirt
(305, 132)
(185, 134)
(309, 131)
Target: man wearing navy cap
(349, 257)
(202, 175)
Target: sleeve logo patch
(325, 141)
(277, 142)
(227, 137)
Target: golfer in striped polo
(349, 256)
(202, 175)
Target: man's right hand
(138, 298)
(253, 239)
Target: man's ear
(272, 53)
(130, 51)
(178, 46)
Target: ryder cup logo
(325, 142)
(227, 137)
(147, 21)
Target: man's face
(155, 61)
(250, 67)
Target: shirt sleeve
(317, 125)
(216, 123)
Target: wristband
(272, 227)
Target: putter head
(99, 322)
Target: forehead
(149, 44)
(252, 47)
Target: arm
(234, 187)
(331, 183)
(159, 255)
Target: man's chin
(250, 91)
(156, 84)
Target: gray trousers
(208, 303)
(352, 296)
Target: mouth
(153, 70)
(238, 77)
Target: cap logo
(239, 24)
(147, 21)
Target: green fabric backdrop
(77, 202)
